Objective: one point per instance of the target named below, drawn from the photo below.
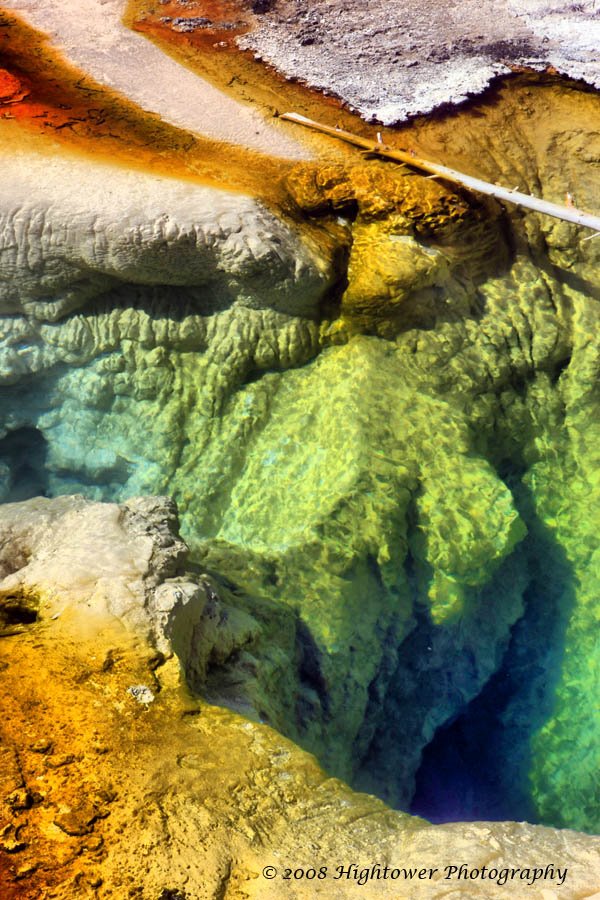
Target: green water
(411, 521)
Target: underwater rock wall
(380, 463)
(114, 781)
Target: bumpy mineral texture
(382, 444)
(115, 782)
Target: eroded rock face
(115, 782)
(70, 558)
(63, 248)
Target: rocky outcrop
(61, 249)
(97, 563)
(115, 782)
(368, 473)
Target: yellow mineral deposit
(567, 213)
(115, 783)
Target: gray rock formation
(68, 553)
(61, 248)
(90, 563)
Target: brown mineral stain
(43, 96)
(54, 841)
(11, 89)
(212, 52)
(217, 23)
(98, 827)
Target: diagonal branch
(566, 213)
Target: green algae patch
(375, 506)
(467, 524)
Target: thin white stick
(566, 213)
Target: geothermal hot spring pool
(375, 399)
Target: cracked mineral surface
(394, 60)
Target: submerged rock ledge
(374, 416)
(116, 783)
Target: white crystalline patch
(390, 61)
